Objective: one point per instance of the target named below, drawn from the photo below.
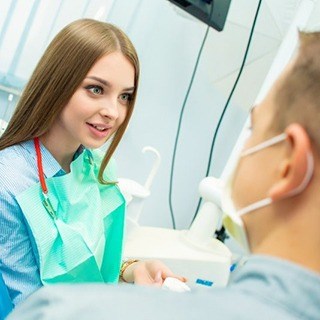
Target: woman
(61, 212)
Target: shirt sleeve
(18, 263)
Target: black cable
(228, 100)
(181, 117)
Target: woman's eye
(96, 90)
(125, 97)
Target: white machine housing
(194, 253)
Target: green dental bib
(84, 242)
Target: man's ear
(294, 169)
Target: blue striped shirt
(19, 259)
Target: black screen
(212, 12)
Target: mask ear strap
(307, 177)
(279, 138)
(299, 189)
(255, 206)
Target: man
(276, 193)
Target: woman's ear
(296, 170)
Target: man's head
(297, 94)
(282, 170)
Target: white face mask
(232, 218)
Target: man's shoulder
(136, 302)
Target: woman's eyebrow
(104, 82)
(107, 84)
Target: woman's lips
(99, 130)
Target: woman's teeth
(99, 128)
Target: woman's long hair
(60, 71)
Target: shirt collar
(51, 167)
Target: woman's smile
(99, 130)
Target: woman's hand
(149, 272)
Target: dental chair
(5, 301)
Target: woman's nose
(110, 109)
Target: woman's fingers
(153, 272)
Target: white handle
(155, 166)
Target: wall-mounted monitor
(212, 12)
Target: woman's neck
(59, 149)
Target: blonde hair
(60, 71)
(297, 96)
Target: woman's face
(99, 105)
